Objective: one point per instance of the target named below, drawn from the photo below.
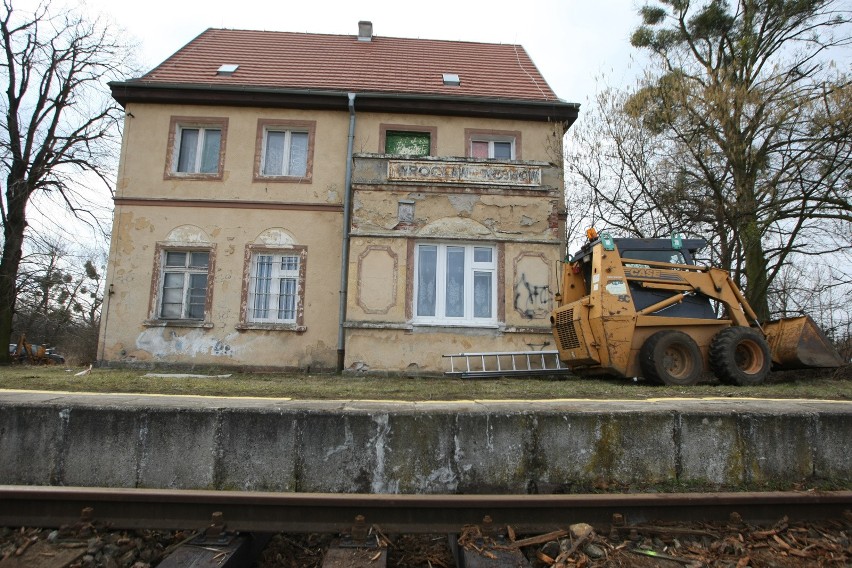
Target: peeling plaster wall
(389, 217)
(153, 208)
(145, 148)
(140, 225)
(128, 340)
(517, 217)
(419, 350)
(540, 141)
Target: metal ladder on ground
(505, 363)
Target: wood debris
(729, 545)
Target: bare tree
(59, 295)
(59, 124)
(750, 103)
(617, 170)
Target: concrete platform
(49, 438)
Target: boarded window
(408, 143)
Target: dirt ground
(824, 544)
(723, 545)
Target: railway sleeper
(217, 547)
(481, 546)
(362, 546)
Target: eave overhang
(209, 95)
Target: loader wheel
(740, 356)
(671, 357)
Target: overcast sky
(571, 41)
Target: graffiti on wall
(533, 297)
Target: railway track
(319, 512)
(350, 514)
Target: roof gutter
(344, 255)
(317, 99)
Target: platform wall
(379, 447)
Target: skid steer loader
(644, 308)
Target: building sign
(453, 172)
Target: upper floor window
(184, 284)
(455, 284)
(407, 143)
(196, 147)
(493, 144)
(408, 140)
(198, 151)
(286, 153)
(284, 150)
(491, 149)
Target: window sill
(529, 329)
(457, 325)
(271, 327)
(377, 325)
(282, 179)
(178, 323)
(194, 176)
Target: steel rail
(323, 512)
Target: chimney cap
(365, 31)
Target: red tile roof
(300, 61)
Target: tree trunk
(755, 270)
(13, 235)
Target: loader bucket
(798, 343)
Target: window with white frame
(275, 290)
(285, 153)
(494, 149)
(184, 284)
(455, 284)
(197, 150)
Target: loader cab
(658, 250)
(670, 251)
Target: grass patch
(804, 384)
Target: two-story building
(320, 202)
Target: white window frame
(491, 140)
(187, 270)
(195, 167)
(279, 271)
(470, 268)
(286, 166)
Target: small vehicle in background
(23, 352)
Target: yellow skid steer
(644, 308)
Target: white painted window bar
(503, 363)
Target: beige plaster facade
(446, 253)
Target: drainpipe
(344, 256)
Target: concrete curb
(417, 447)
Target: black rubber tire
(739, 355)
(671, 357)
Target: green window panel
(408, 143)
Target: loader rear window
(670, 256)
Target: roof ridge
(355, 36)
